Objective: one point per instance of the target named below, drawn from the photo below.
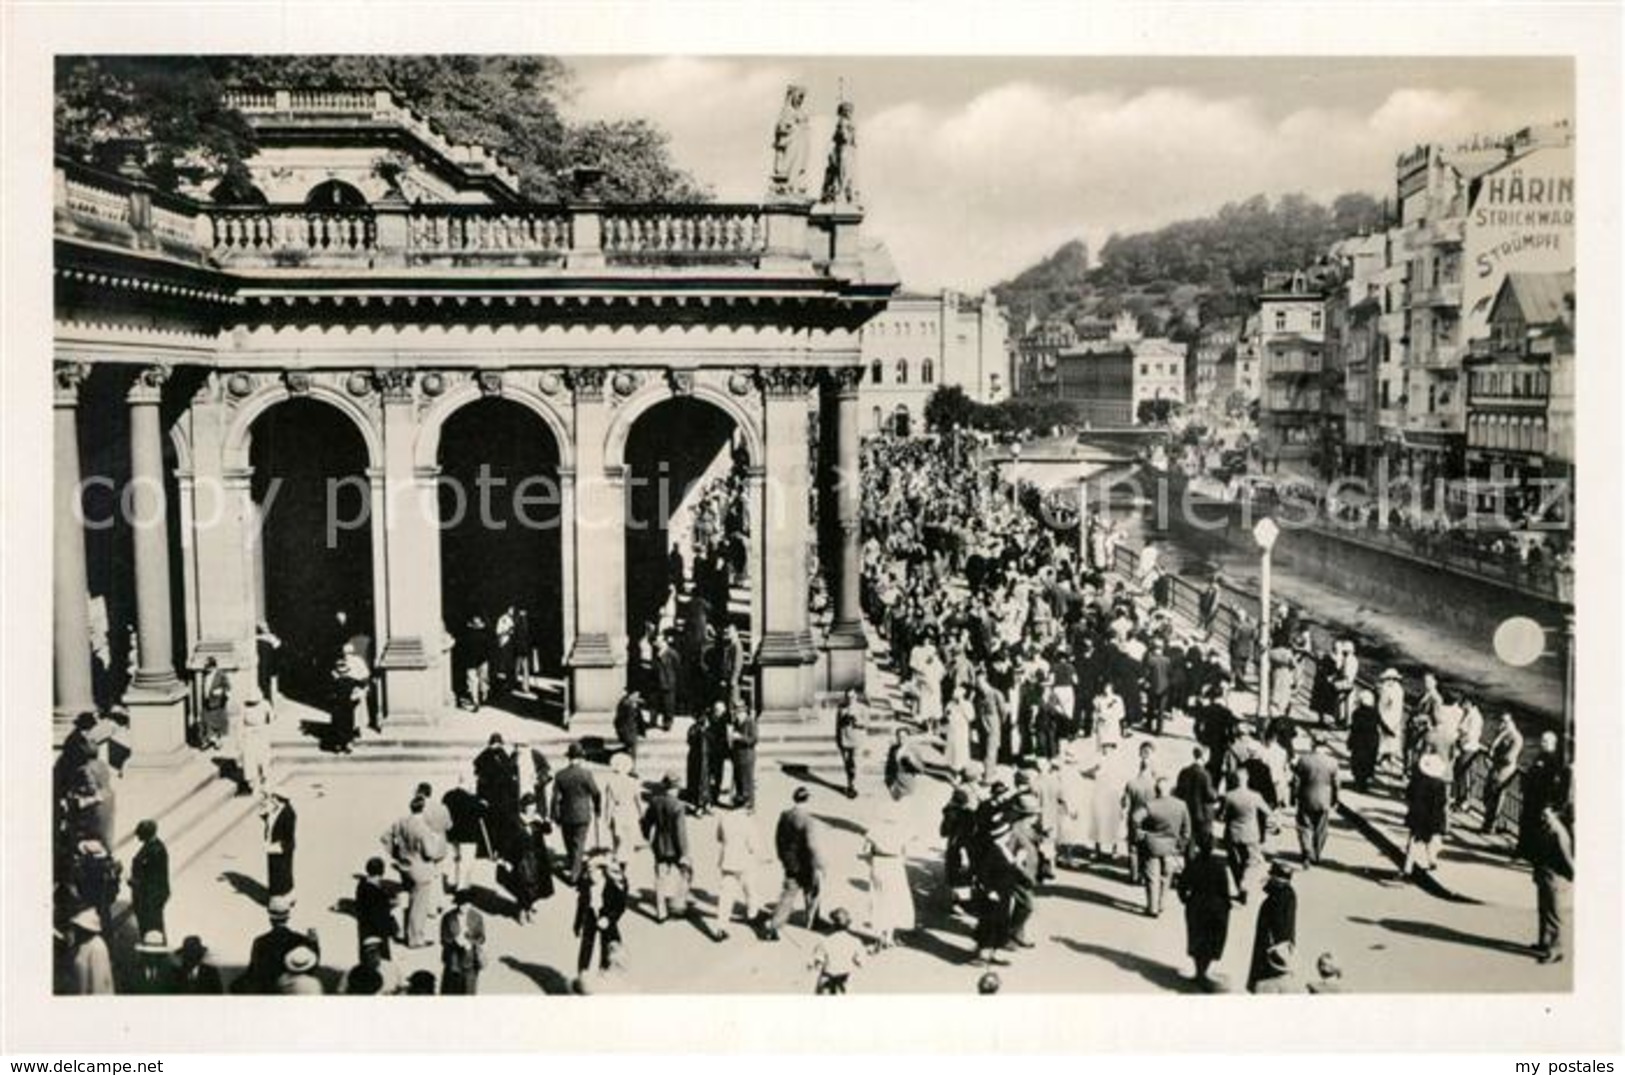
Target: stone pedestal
(407, 557)
(597, 659)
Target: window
(928, 372)
(335, 192)
(877, 372)
(1280, 320)
(1314, 320)
(902, 371)
(879, 419)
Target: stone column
(224, 539)
(755, 482)
(785, 655)
(846, 644)
(72, 692)
(598, 655)
(408, 553)
(156, 698)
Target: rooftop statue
(840, 174)
(790, 145)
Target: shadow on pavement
(1158, 974)
(546, 978)
(1434, 932)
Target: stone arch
(238, 440)
(426, 449)
(182, 443)
(658, 392)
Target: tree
(948, 407)
(509, 104)
(1155, 412)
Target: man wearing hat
(1426, 814)
(1022, 859)
(462, 947)
(576, 804)
(665, 826)
(298, 977)
(629, 722)
(375, 974)
(270, 949)
(1277, 922)
(1315, 785)
(152, 969)
(192, 975)
(796, 840)
(1279, 975)
(91, 966)
(600, 903)
(149, 879)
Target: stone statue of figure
(841, 173)
(790, 144)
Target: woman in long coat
(699, 763)
(532, 876)
(1106, 828)
(1426, 814)
(1204, 886)
(1277, 921)
(1365, 741)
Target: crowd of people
(1039, 682)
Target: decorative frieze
(788, 382)
(587, 383)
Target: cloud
(967, 192)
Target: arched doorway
(500, 544)
(335, 194)
(686, 489)
(900, 421)
(313, 556)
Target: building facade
(923, 341)
(1036, 356)
(1520, 394)
(1109, 381)
(280, 390)
(1291, 347)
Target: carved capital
(69, 376)
(587, 383)
(148, 387)
(395, 384)
(845, 381)
(788, 382)
(681, 381)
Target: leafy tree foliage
(510, 104)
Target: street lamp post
(1264, 533)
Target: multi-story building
(1215, 344)
(1468, 216)
(1291, 344)
(1109, 381)
(1520, 394)
(922, 341)
(1036, 353)
(1359, 267)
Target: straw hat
(299, 960)
(279, 906)
(1388, 673)
(153, 942)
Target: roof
(1540, 295)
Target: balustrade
(496, 231)
(706, 230)
(290, 230)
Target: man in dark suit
(665, 826)
(731, 667)
(797, 842)
(281, 829)
(374, 908)
(496, 782)
(1314, 782)
(462, 948)
(668, 674)
(149, 879)
(1194, 787)
(1246, 822)
(194, 977)
(576, 802)
(629, 722)
(270, 949)
(1159, 681)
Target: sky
(972, 168)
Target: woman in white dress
(1106, 823)
(891, 902)
(927, 666)
(622, 811)
(960, 714)
(1073, 824)
(254, 743)
(1108, 710)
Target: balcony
(1443, 356)
(1438, 422)
(1291, 364)
(1449, 231)
(593, 239)
(1444, 293)
(353, 107)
